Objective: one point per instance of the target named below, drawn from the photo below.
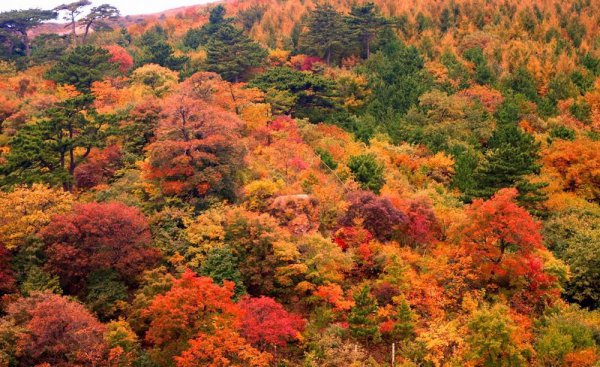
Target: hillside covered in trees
(260, 183)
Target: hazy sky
(127, 7)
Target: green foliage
(563, 332)
(49, 150)
(364, 22)
(404, 328)
(362, 317)
(221, 264)
(522, 82)
(104, 292)
(483, 74)
(156, 50)
(14, 28)
(327, 158)
(396, 77)
(230, 53)
(328, 35)
(38, 280)
(81, 67)
(562, 132)
(491, 338)
(48, 47)
(302, 94)
(574, 237)
(511, 156)
(367, 171)
(581, 110)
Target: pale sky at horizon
(127, 7)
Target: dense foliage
(298, 183)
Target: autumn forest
(295, 183)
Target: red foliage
(501, 240)
(98, 236)
(347, 237)
(121, 57)
(7, 279)
(100, 165)
(192, 308)
(423, 227)
(197, 149)
(266, 322)
(378, 215)
(58, 331)
(304, 62)
(224, 348)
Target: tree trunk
(73, 29)
(87, 30)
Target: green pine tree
(362, 318)
(82, 67)
(510, 158)
(230, 53)
(367, 172)
(365, 22)
(405, 326)
(49, 150)
(328, 35)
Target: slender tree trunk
(73, 29)
(25, 38)
(87, 30)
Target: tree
(365, 22)
(327, 34)
(221, 265)
(376, 214)
(26, 210)
(156, 50)
(301, 94)
(97, 17)
(502, 242)
(397, 78)
(229, 52)
(404, 326)
(367, 172)
(224, 348)
(73, 10)
(195, 153)
(266, 322)
(483, 74)
(21, 21)
(82, 67)
(58, 332)
(511, 157)
(492, 336)
(7, 275)
(123, 343)
(51, 149)
(109, 236)
(362, 319)
(573, 235)
(120, 56)
(193, 308)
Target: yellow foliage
(25, 211)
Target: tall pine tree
(511, 157)
(365, 22)
(362, 318)
(328, 35)
(229, 52)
